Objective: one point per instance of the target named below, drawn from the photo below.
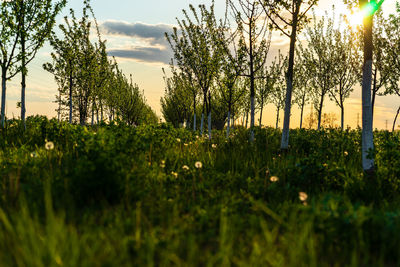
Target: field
(113, 195)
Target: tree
(369, 7)
(381, 69)
(277, 79)
(36, 19)
(254, 38)
(231, 68)
(345, 74)
(195, 52)
(175, 105)
(297, 17)
(392, 31)
(320, 58)
(9, 39)
(301, 84)
(64, 57)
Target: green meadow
(116, 195)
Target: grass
(113, 195)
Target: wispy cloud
(148, 41)
(154, 34)
(143, 54)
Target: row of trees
(89, 83)
(224, 62)
(24, 27)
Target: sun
(354, 18)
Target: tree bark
(301, 116)
(374, 91)
(321, 104)
(252, 118)
(289, 81)
(342, 117)
(194, 113)
(209, 125)
(3, 95)
(261, 110)
(23, 72)
(367, 134)
(395, 119)
(70, 94)
(277, 117)
(229, 121)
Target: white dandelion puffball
(49, 145)
(198, 165)
(185, 167)
(274, 179)
(303, 196)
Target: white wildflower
(49, 145)
(198, 164)
(303, 196)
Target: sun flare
(354, 18)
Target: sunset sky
(134, 30)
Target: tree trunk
(261, 111)
(395, 119)
(367, 134)
(321, 104)
(23, 72)
(229, 122)
(252, 85)
(374, 91)
(92, 123)
(70, 95)
(277, 117)
(202, 123)
(3, 95)
(209, 115)
(289, 81)
(252, 118)
(342, 117)
(194, 113)
(209, 125)
(301, 116)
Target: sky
(134, 30)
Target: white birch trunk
(286, 119)
(229, 122)
(209, 125)
(201, 123)
(367, 134)
(252, 113)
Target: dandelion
(197, 137)
(325, 165)
(49, 145)
(303, 196)
(175, 174)
(274, 179)
(267, 173)
(198, 165)
(346, 153)
(162, 164)
(185, 144)
(185, 167)
(178, 140)
(214, 146)
(34, 155)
